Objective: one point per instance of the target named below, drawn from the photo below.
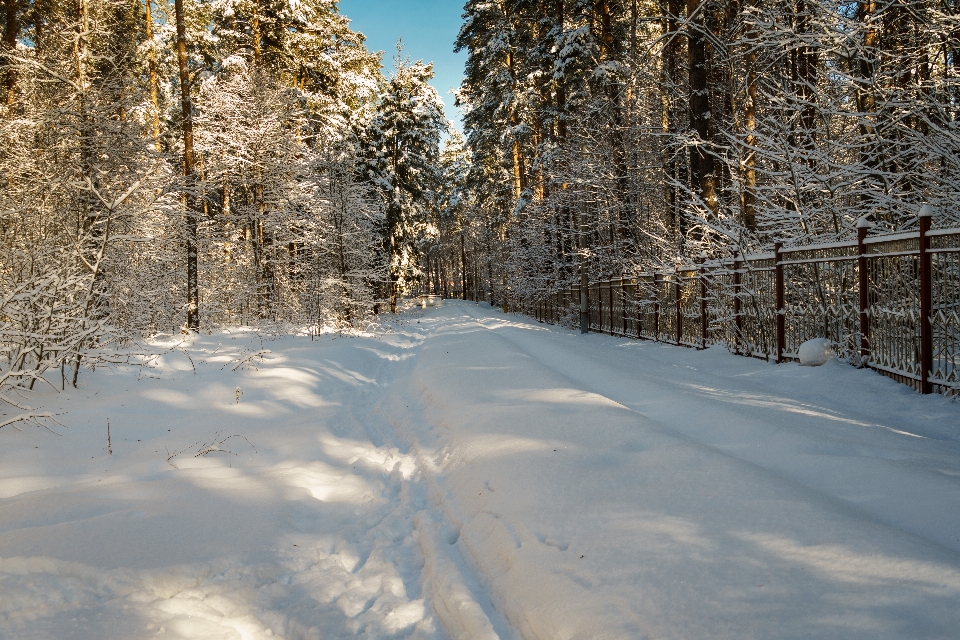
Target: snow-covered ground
(475, 475)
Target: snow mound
(816, 352)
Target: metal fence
(890, 302)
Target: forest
(622, 136)
(180, 167)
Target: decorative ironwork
(767, 305)
(945, 315)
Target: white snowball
(814, 353)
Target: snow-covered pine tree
(348, 262)
(641, 132)
(401, 160)
(81, 185)
(91, 172)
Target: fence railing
(890, 302)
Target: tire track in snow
(456, 594)
(720, 521)
(837, 483)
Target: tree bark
(255, 32)
(622, 223)
(866, 97)
(806, 77)
(189, 172)
(152, 74)
(668, 117)
(519, 168)
(10, 33)
(702, 169)
(749, 196)
(463, 266)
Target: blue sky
(428, 29)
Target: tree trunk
(519, 168)
(463, 266)
(255, 32)
(702, 170)
(186, 108)
(264, 241)
(393, 224)
(866, 96)
(806, 78)
(342, 260)
(10, 33)
(669, 118)
(749, 196)
(85, 217)
(152, 74)
(622, 222)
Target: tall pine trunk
(866, 93)
(669, 126)
(152, 74)
(749, 196)
(189, 173)
(519, 166)
(9, 43)
(702, 170)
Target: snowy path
(708, 495)
(310, 536)
(475, 475)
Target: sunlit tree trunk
(519, 166)
(152, 73)
(186, 108)
(866, 96)
(9, 43)
(255, 32)
(669, 116)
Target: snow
(470, 474)
(815, 352)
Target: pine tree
(401, 152)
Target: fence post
(623, 306)
(610, 312)
(612, 307)
(599, 308)
(656, 307)
(677, 290)
(584, 302)
(738, 320)
(636, 296)
(863, 226)
(703, 306)
(781, 320)
(926, 302)
(610, 288)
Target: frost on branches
(401, 161)
(96, 218)
(619, 137)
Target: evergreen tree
(401, 160)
